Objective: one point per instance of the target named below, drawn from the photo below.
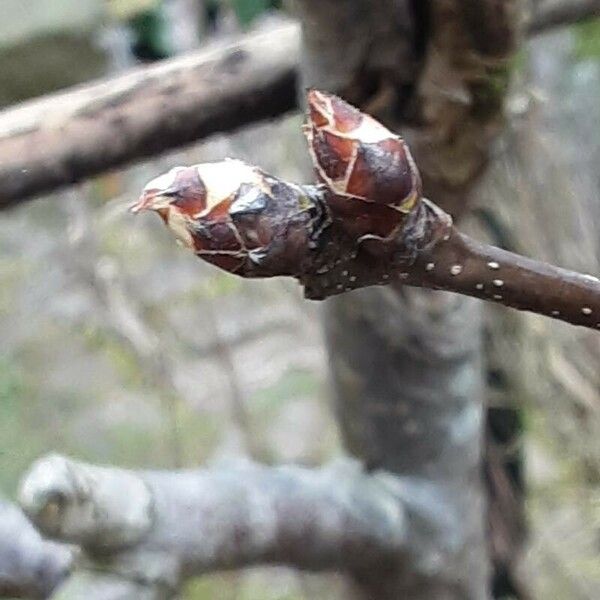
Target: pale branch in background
(67, 137)
(121, 315)
(30, 567)
(365, 224)
(149, 531)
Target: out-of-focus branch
(548, 14)
(30, 567)
(121, 315)
(150, 530)
(67, 137)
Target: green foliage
(22, 427)
(248, 10)
(13, 271)
(11, 397)
(293, 384)
(198, 434)
(142, 445)
(122, 359)
(125, 9)
(587, 40)
(150, 35)
(46, 63)
(230, 586)
(490, 91)
(219, 284)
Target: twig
(30, 567)
(365, 224)
(65, 138)
(461, 264)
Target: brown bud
(357, 157)
(237, 217)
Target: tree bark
(30, 567)
(407, 365)
(68, 137)
(143, 533)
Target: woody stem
(462, 265)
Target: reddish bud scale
(360, 161)
(236, 217)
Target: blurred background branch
(72, 136)
(30, 566)
(150, 530)
(548, 14)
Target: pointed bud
(237, 217)
(361, 161)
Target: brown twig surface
(461, 264)
(365, 224)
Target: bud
(237, 217)
(360, 161)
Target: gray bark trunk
(406, 364)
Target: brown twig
(65, 138)
(365, 224)
(463, 265)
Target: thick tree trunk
(409, 400)
(407, 365)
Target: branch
(68, 137)
(152, 529)
(463, 265)
(121, 315)
(30, 567)
(365, 224)
(65, 138)
(549, 14)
